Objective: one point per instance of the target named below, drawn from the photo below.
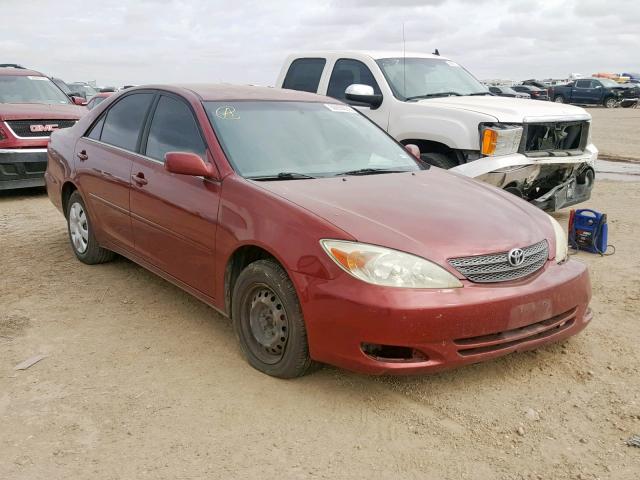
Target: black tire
(558, 99)
(610, 102)
(87, 249)
(439, 160)
(265, 305)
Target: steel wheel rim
(78, 228)
(265, 324)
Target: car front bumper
(445, 328)
(22, 167)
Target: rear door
(174, 217)
(583, 92)
(104, 157)
(304, 74)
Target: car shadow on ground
(23, 192)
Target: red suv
(31, 107)
(316, 232)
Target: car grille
(22, 128)
(556, 139)
(512, 338)
(496, 267)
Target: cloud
(155, 41)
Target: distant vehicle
(10, 65)
(503, 91)
(107, 89)
(31, 107)
(97, 99)
(589, 91)
(535, 83)
(536, 93)
(84, 89)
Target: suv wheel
(439, 160)
(267, 320)
(559, 99)
(83, 241)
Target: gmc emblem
(43, 128)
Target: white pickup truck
(539, 150)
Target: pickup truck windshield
(414, 78)
(271, 140)
(30, 89)
(608, 82)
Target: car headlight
(498, 139)
(562, 244)
(387, 267)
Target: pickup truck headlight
(387, 267)
(562, 244)
(497, 139)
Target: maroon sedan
(322, 238)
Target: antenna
(404, 64)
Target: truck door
(348, 71)
(583, 92)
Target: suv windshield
(298, 140)
(30, 89)
(414, 78)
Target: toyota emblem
(516, 257)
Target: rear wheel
(559, 99)
(83, 242)
(268, 321)
(439, 160)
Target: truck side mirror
(363, 95)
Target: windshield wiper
(370, 171)
(430, 95)
(475, 94)
(283, 176)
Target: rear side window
(96, 130)
(347, 72)
(173, 129)
(124, 121)
(583, 84)
(304, 74)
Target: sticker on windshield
(452, 64)
(334, 107)
(227, 113)
(37, 78)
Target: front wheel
(268, 322)
(83, 242)
(439, 160)
(610, 102)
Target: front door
(174, 217)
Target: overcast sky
(155, 41)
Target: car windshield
(414, 78)
(508, 90)
(295, 140)
(30, 89)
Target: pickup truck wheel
(559, 99)
(268, 322)
(439, 160)
(610, 102)
(83, 242)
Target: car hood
(505, 109)
(40, 111)
(431, 213)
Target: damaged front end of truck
(546, 161)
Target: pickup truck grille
(37, 128)
(556, 139)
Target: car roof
(21, 72)
(222, 92)
(375, 54)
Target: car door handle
(139, 179)
(83, 155)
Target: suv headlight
(562, 243)
(387, 267)
(498, 139)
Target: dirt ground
(143, 381)
(616, 132)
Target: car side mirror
(78, 101)
(363, 94)
(598, 86)
(413, 150)
(187, 163)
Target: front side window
(347, 72)
(304, 74)
(124, 121)
(268, 138)
(415, 78)
(173, 129)
(30, 89)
